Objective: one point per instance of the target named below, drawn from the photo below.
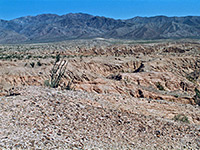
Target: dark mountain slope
(75, 26)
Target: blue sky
(118, 9)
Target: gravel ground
(43, 118)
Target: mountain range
(52, 27)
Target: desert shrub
(117, 77)
(39, 63)
(127, 80)
(140, 94)
(32, 64)
(19, 57)
(69, 85)
(191, 79)
(45, 56)
(58, 58)
(35, 57)
(81, 57)
(176, 95)
(46, 83)
(28, 57)
(140, 69)
(52, 56)
(197, 96)
(7, 57)
(40, 57)
(181, 118)
(159, 86)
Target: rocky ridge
(52, 27)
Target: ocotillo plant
(57, 72)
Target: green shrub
(32, 64)
(39, 63)
(159, 86)
(28, 57)
(181, 118)
(46, 83)
(58, 58)
(176, 95)
(69, 86)
(44, 57)
(197, 96)
(117, 77)
(191, 79)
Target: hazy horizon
(97, 15)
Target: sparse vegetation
(32, 64)
(127, 80)
(69, 85)
(46, 83)
(197, 96)
(103, 93)
(159, 86)
(190, 79)
(176, 95)
(117, 77)
(181, 118)
(57, 58)
(39, 63)
(11, 56)
(28, 57)
(57, 72)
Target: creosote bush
(46, 83)
(159, 86)
(32, 64)
(69, 86)
(117, 77)
(181, 118)
(28, 57)
(197, 96)
(39, 63)
(57, 58)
